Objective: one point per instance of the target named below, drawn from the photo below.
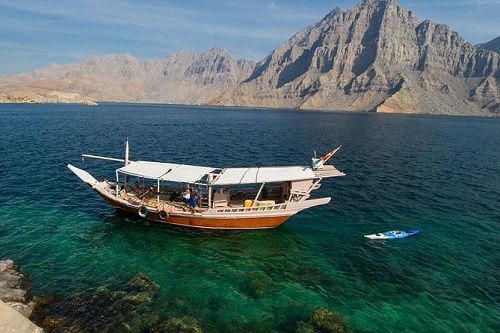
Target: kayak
(393, 234)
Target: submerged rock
(328, 321)
(143, 283)
(178, 325)
(132, 309)
(303, 327)
(103, 311)
(259, 285)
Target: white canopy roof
(264, 174)
(181, 173)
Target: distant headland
(49, 97)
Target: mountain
(493, 45)
(182, 77)
(190, 78)
(376, 56)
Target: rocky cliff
(190, 78)
(376, 56)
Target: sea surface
(434, 173)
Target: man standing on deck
(193, 197)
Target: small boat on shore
(394, 234)
(219, 198)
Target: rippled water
(437, 174)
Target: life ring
(163, 215)
(143, 211)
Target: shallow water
(437, 174)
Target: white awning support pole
(258, 194)
(315, 185)
(117, 184)
(210, 178)
(126, 161)
(158, 195)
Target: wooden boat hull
(265, 215)
(213, 219)
(197, 220)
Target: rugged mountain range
(376, 56)
(185, 78)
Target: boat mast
(125, 160)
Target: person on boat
(193, 198)
(148, 194)
(137, 188)
(186, 195)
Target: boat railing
(229, 209)
(164, 203)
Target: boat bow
(83, 175)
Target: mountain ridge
(376, 56)
(492, 45)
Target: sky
(37, 33)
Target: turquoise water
(437, 174)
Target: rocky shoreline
(15, 306)
(14, 287)
(130, 309)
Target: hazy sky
(36, 33)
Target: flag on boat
(319, 162)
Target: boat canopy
(263, 175)
(184, 173)
(181, 173)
